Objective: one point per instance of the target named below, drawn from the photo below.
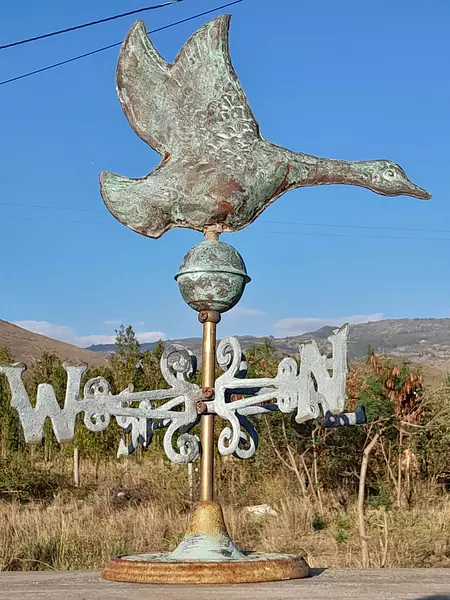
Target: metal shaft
(209, 320)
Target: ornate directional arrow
(318, 386)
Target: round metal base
(159, 568)
(206, 554)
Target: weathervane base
(158, 568)
(206, 555)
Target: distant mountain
(27, 346)
(418, 340)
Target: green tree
(125, 360)
(126, 343)
(10, 434)
(151, 377)
(158, 350)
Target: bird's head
(389, 179)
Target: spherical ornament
(212, 276)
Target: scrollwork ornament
(188, 445)
(138, 413)
(317, 386)
(247, 435)
(181, 368)
(97, 386)
(228, 355)
(230, 437)
(319, 383)
(97, 421)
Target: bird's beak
(417, 192)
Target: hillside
(425, 341)
(27, 346)
(419, 340)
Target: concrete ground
(336, 584)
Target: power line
(281, 233)
(354, 226)
(58, 221)
(59, 64)
(337, 225)
(73, 59)
(90, 24)
(46, 206)
(348, 235)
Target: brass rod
(207, 459)
(209, 319)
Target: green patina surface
(212, 276)
(217, 171)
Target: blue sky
(350, 80)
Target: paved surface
(339, 584)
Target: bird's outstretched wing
(197, 99)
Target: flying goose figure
(217, 172)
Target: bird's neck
(305, 170)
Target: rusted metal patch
(254, 568)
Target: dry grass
(148, 511)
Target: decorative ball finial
(212, 276)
